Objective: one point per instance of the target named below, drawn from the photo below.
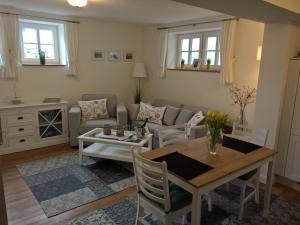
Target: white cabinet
(288, 161)
(292, 170)
(32, 125)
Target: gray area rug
(225, 210)
(59, 183)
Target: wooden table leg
(196, 208)
(80, 152)
(268, 188)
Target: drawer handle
(21, 129)
(20, 117)
(22, 140)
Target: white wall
(202, 88)
(38, 82)
(281, 42)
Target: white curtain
(71, 40)
(227, 51)
(163, 47)
(10, 62)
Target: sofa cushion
(99, 123)
(111, 102)
(194, 121)
(196, 109)
(170, 116)
(154, 114)
(95, 109)
(153, 127)
(184, 116)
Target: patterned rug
(225, 210)
(59, 183)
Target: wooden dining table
(227, 164)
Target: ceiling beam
(258, 10)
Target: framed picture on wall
(128, 56)
(98, 55)
(114, 56)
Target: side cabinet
(32, 125)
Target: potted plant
(182, 62)
(208, 62)
(215, 122)
(42, 56)
(138, 95)
(242, 96)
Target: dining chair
(164, 201)
(250, 179)
(170, 135)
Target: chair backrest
(259, 136)
(172, 135)
(151, 179)
(241, 130)
(111, 101)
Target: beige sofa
(176, 113)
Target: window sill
(196, 70)
(27, 64)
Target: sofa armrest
(121, 115)
(74, 124)
(198, 131)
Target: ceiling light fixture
(77, 3)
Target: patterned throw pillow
(194, 121)
(154, 114)
(95, 109)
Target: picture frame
(128, 56)
(98, 55)
(114, 56)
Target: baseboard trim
(287, 182)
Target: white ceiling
(132, 11)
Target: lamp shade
(139, 70)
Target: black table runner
(184, 166)
(239, 145)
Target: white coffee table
(110, 148)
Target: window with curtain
(199, 47)
(36, 37)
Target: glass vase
(214, 141)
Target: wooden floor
(23, 208)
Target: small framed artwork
(128, 56)
(98, 55)
(114, 56)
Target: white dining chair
(164, 201)
(251, 179)
(169, 135)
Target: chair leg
(140, 214)
(242, 197)
(184, 219)
(257, 192)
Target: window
(40, 36)
(199, 47)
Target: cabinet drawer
(20, 141)
(19, 118)
(20, 130)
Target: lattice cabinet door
(51, 123)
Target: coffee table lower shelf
(108, 151)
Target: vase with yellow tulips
(215, 121)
